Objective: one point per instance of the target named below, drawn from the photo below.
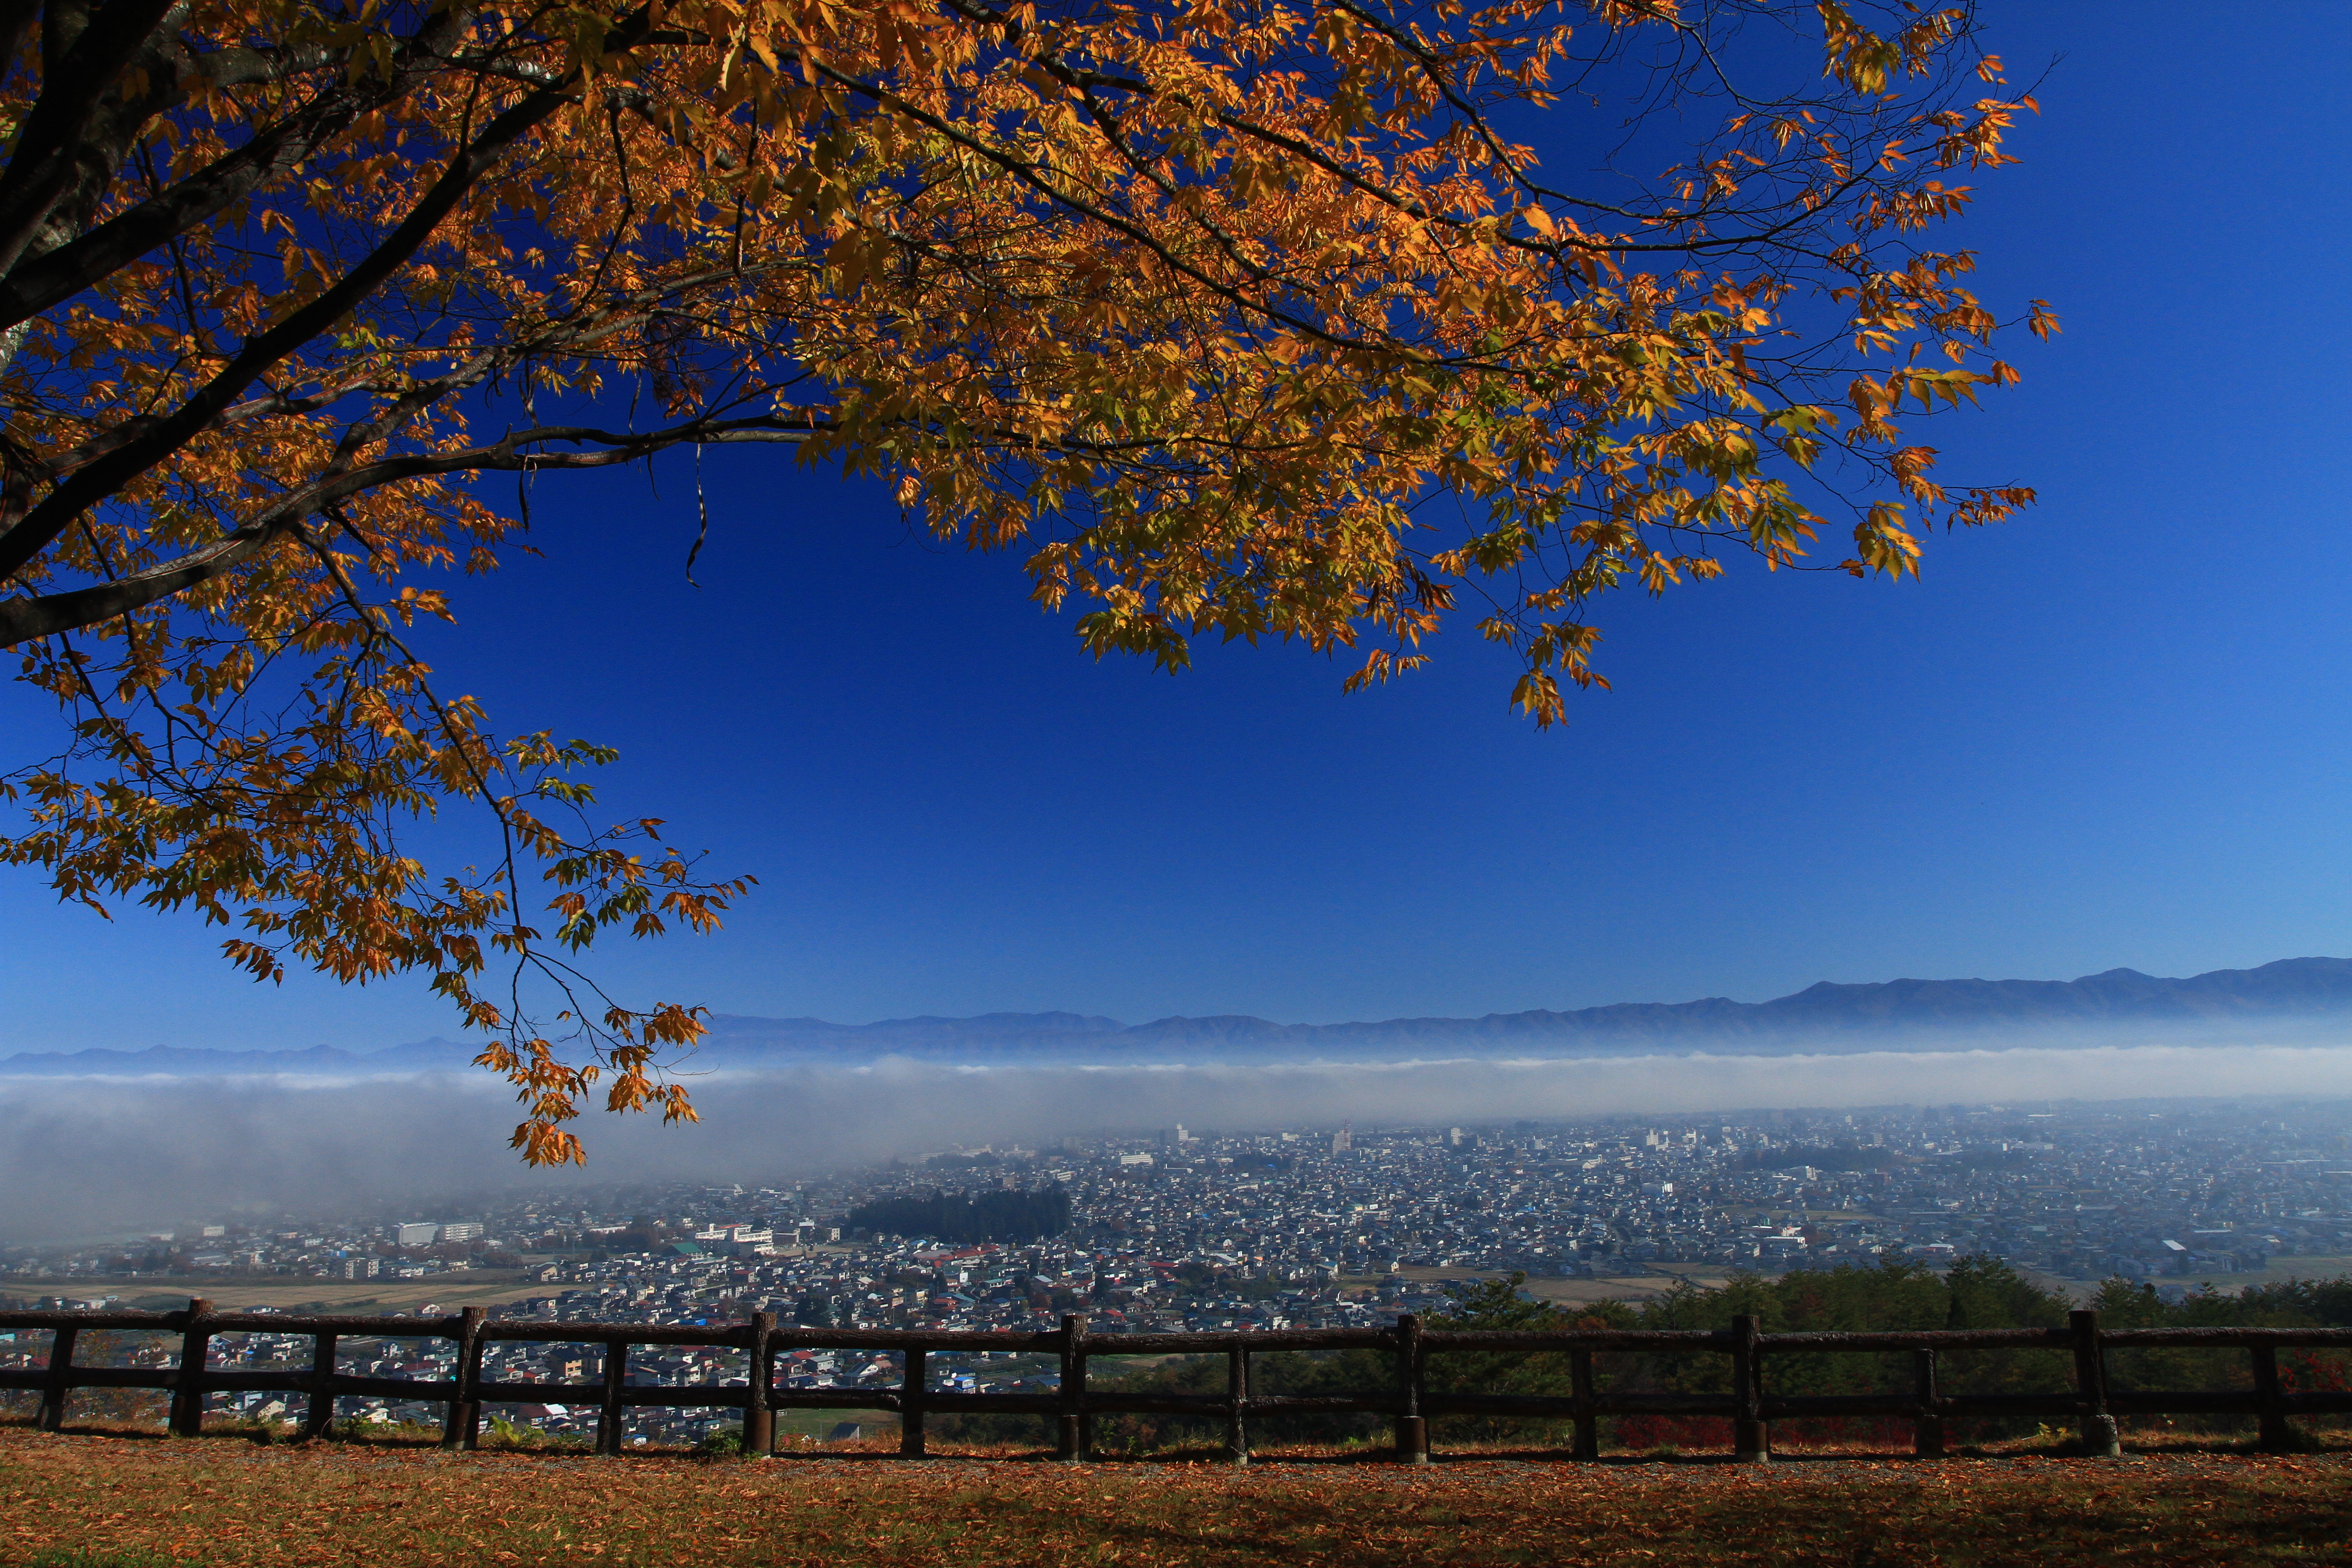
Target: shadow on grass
(528, 1444)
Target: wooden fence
(2090, 1405)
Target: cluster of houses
(1177, 1230)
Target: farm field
(471, 1288)
(2280, 1271)
(1579, 1292)
(119, 1500)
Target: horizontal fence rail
(1408, 1401)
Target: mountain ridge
(1828, 1015)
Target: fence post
(322, 1395)
(1588, 1424)
(1751, 1440)
(758, 1410)
(188, 1382)
(1236, 1399)
(1929, 1410)
(1071, 1439)
(52, 1417)
(608, 1418)
(2276, 1438)
(461, 1423)
(2100, 1439)
(911, 1391)
(1927, 1426)
(1411, 1427)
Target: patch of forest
(1002, 1214)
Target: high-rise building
(1344, 1140)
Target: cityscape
(1198, 1230)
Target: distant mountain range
(1900, 1014)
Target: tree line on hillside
(1977, 1292)
(1001, 1215)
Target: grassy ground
(120, 1500)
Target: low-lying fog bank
(80, 1157)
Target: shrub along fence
(1407, 1400)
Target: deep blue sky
(2116, 732)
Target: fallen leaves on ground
(139, 1499)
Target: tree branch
(22, 620)
(45, 614)
(50, 143)
(38, 282)
(97, 480)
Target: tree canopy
(1002, 1215)
(1263, 321)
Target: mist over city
(82, 1156)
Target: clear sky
(2117, 733)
